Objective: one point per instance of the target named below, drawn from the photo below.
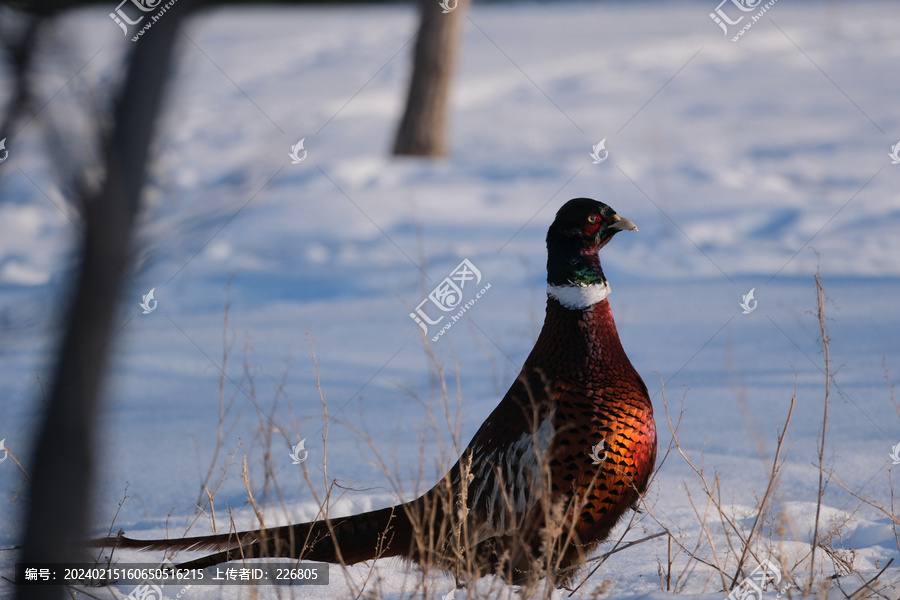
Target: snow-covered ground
(744, 164)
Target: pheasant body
(577, 390)
(568, 450)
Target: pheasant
(569, 449)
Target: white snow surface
(746, 165)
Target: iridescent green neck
(574, 277)
(574, 267)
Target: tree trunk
(423, 129)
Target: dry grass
(723, 551)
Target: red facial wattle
(591, 229)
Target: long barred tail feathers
(381, 533)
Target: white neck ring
(579, 297)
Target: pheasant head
(581, 228)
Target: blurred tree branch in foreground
(61, 462)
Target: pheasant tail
(376, 534)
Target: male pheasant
(565, 454)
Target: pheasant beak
(622, 224)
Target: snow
(744, 165)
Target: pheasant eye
(592, 219)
